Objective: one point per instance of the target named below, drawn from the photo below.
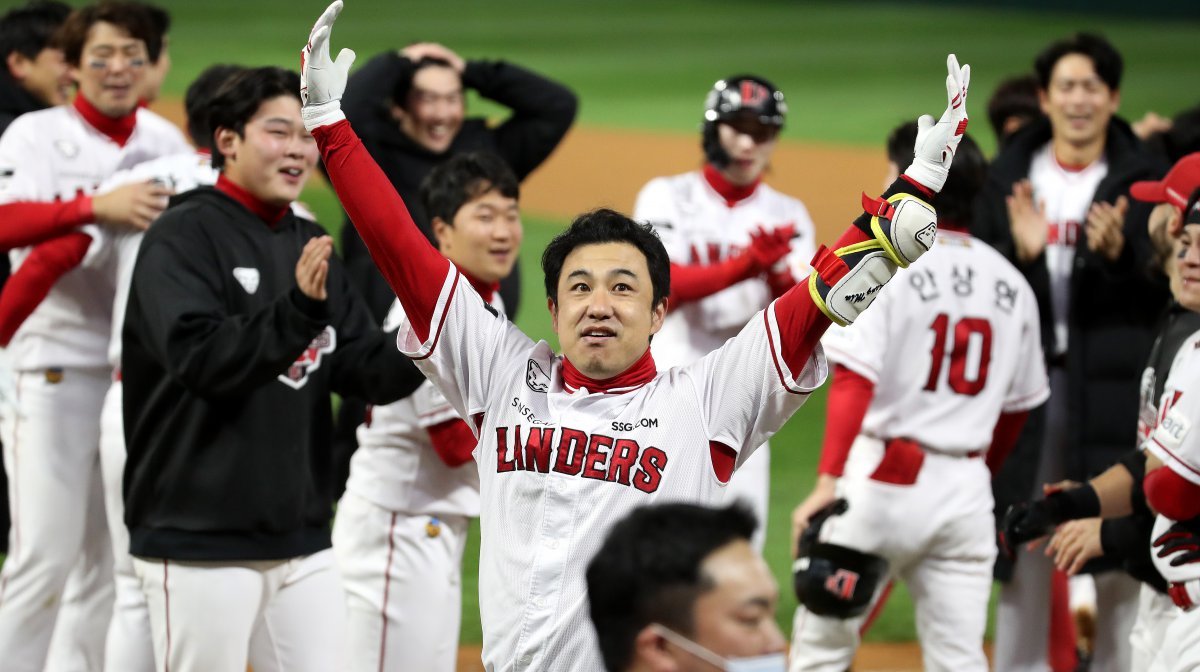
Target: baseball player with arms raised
(906, 436)
(413, 486)
(52, 162)
(569, 443)
(735, 243)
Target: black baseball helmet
(742, 96)
(832, 580)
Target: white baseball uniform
(130, 645)
(1173, 441)
(949, 347)
(699, 226)
(400, 532)
(559, 462)
(51, 443)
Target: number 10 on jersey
(972, 345)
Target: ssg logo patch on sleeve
(297, 374)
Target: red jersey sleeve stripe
(402, 253)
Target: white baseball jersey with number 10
(950, 346)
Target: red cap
(1176, 188)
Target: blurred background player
(414, 485)
(735, 243)
(409, 107)
(907, 437)
(1055, 204)
(680, 587)
(56, 158)
(1072, 515)
(1014, 103)
(238, 327)
(34, 77)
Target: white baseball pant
(1023, 611)
(129, 646)
(402, 576)
(51, 455)
(937, 535)
(1180, 645)
(276, 615)
(1155, 613)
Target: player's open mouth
(597, 335)
(292, 174)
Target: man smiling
(570, 443)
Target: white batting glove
(937, 142)
(323, 81)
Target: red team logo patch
(842, 583)
(753, 94)
(310, 360)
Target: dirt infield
(604, 167)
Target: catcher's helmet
(737, 97)
(832, 580)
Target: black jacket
(1114, 306)
(14, 101)
(227, 371)
(542, 111)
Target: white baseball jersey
(698, 227)
(950, 346)
(179, 172)
(54, 154)
(1173, 441)
(395, 466)
(1067, 195)
(559, 465)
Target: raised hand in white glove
(937, 141)
(323, 81)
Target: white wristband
(326, 113)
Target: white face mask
(772, 662)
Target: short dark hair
(608, 226)
(160, 20)
(30, 28)
(130, 16)
(1104, 56)
(404, 83)
(463, 178)
(1013, 97)
(648, 571)
(238, 100)
(968, 172)
(199, 98)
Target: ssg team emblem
(310, 360)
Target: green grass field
(851, 71)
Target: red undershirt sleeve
(850, 395)
(692, 282)
(452, 441)
(30, 222)
(35, 277)
(1004, 438)
(414, 270)
(1172, 495)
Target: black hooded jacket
(227, 371)
(1114, 305)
